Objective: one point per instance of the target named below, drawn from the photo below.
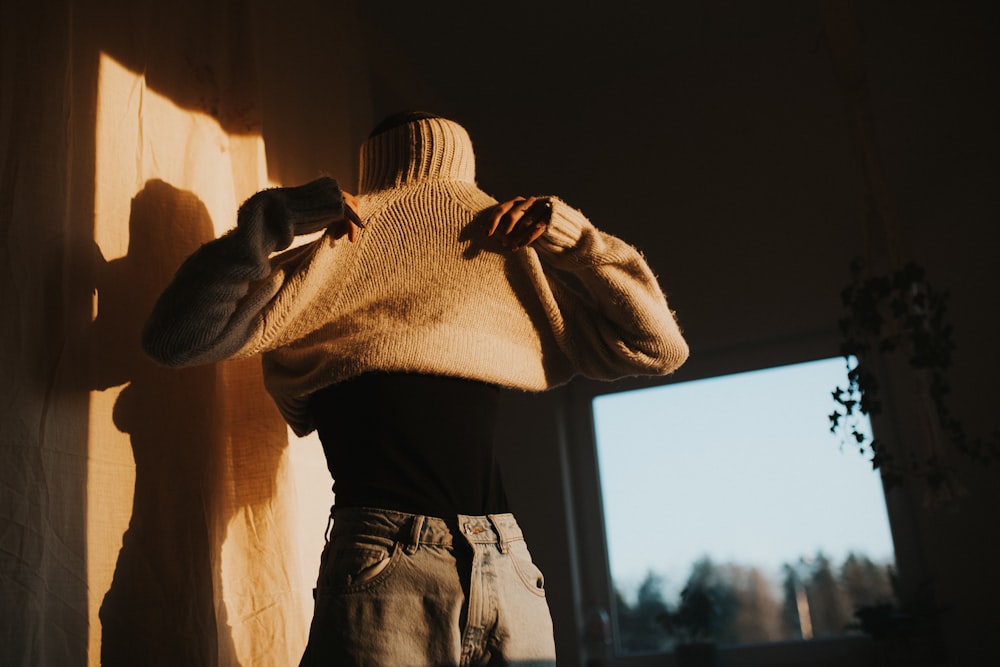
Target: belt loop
(502, 541)
(416, 525)
(329, 525)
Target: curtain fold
(147, 516)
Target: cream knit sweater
(422, 290)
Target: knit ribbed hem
(290, 376)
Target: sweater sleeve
(603, 302)
(213, 309)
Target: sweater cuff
(272, 218)
(314, 205)
(567, 227)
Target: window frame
(594, 586)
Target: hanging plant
(900, 313)
(894, 315)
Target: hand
(519, 221)
(351, 222)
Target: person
(392, 334)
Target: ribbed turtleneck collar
(424, 150)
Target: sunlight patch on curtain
(199, 512)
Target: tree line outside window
(730, 604)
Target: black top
(421, 444)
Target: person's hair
(400, 118)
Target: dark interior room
(811, 181)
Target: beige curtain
(151, 516)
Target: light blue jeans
(404, 590)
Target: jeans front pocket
(353, 565)
(527, 571)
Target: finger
(351, 207)
(529, 235)
(541, 210)
(498, 212)
(538, 229)
(351, 201)
(516, 213)
(533, 223)
(353, 216)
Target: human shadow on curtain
(164, 605)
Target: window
(731, 494)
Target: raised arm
(601, 298)
(211, 310)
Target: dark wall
(719, 138)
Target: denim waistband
(413, 530)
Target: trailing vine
(900, 313)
